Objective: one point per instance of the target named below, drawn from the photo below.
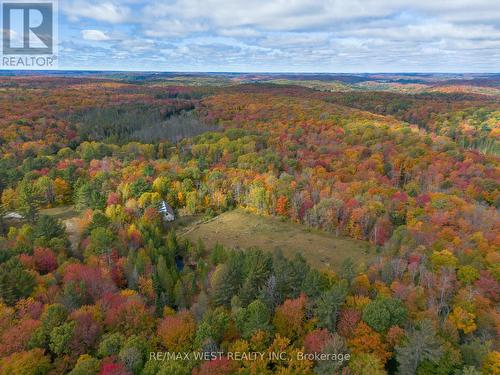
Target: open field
(62, 212)
(241, 229)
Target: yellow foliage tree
(492, 364)
(463, 319)
(444, 258)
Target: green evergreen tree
(101, 243)
(28, 200)
(15, 281)
(421, 345)
(315, 283)
(225, 282)
(255, 317)
(212, 327)
(83, 197)
(348, 270)
(163, 285)
(49, 227)
(289, 276)
(328, 306)
(180, 295)
(257, 268)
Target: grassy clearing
(240, 229)
(62, 212)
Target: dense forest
(104, 291)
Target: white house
(166, 211)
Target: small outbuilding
(13, 216)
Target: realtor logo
(29, 34)
(28, 28)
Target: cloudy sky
(281, 35)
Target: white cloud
(296, 15)
(95, 35)
(105, 11)
(166, 27)
(427, 31)
(138, 45)
(294, 39)
(239, 32)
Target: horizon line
(232, 72)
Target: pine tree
(49, 227)
(180, 295)
(289, 276)
(348, 270)
(163, 285)
(225, 282)
(257, 268)
(83, 197)
(15, 281)
(28, 201)
(256, 317)
(420, 345)
(328, 307)
(314, 283)
(164, 276)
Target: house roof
(13, 215)
(165, 208)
